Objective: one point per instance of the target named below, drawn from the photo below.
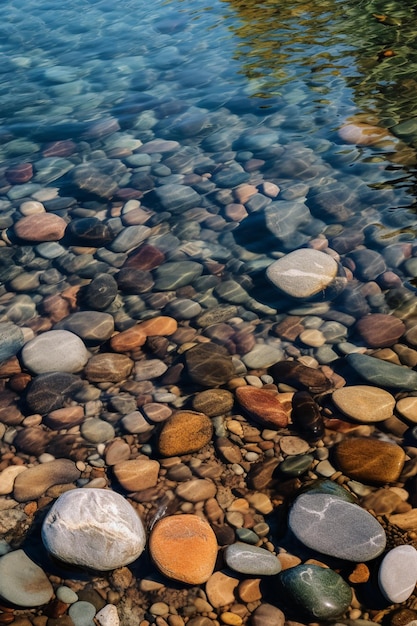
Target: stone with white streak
(303, 273)
(397, 574)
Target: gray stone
(172, 275)
(248, 559)
(130, 238)
(340, 529)
(11, 340)
(303, 273)
(94, 327)
(93, 528)
(82, 613)
(397, 574)
(383, 373)
(174, 198)
(22, 582)
(55, 351)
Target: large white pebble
(397, 574)
(55, 351)
(108, 616)
(93, 528)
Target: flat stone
(368, 263)
(160, 326)
(220, 589)
(383, 373)
(172, 275)
(8, 476)
(267, 615)
(22, 582)
(293, 445)
(247, 559)
(134, 281)
(149, 369)
(47, 392)
(108, 367)
(364, 404)
(128, 340)
(303, 273)
(108, 616)
(130, 237)
(88, 179)
(156, 412)
(96, 430)
(332, 526)
(89, 231)
(196, 490)
(379, 330)
(397, 576)
(147, 257)
(263, 406)
(370, 460)
(64, 418)
(318, 592)
(35, 481)
(300, 376)
(94, 327)
(407, 407)
(93, 528)
(209, 365)
(135, 422)
(137, 474)
(184, 548)
(40, 227)
(296, 465)
(55, 351)
(213, 402)
(185, 432)
(262, 356)
(100, 293)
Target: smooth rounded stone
(300, 376)
(174, 198)
(100, 293)
(369, 264)
(247, 559)
(55, 351)
(93, 528)
(221, 588)
(293, 445)
(47, 392)
(22, 582)
(108, 616)
(12, 338)
(262, 356)
(131, 280)
(64, 418)
(130, 237)
(262, 406)
(35, 481)
(306, 416)
(296, 465)
(407, 408)
(82, 613)
(196, 490)
(135, 423)
(183, 309)
(175, 274)
(108, 367)
(370, 460)
(217, 315)
(89, 180)
(397, 575)
(383, 373)
(94, 327)
(117, 451)
(247, 536)
(303, 273)
(185, 432)
(209, 365)
(147, 370)
(8, 476)
(330, 487)
(231, 291)
(184, 548)
(147, 257)
(364, 404)
(332, 526)
(89, 231)
(156, 412)
(128, 339)
(318, 592)
(379, 330)
(267, 615)
(40, 227)
(96, 430)
(66, 595)
(213, 402)
(137, 474)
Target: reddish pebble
(263, 406)
(128, 340)
(19, 173)
(59, 149)
(146, 258)
(380, 330)
(40, 227)
(159, 326)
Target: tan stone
(184, 548)
(137, 474)
(196, 490)
(8, 476)
(220, 589)
(370, 460)
(363, 403)
(108, 367)
(407, 407)
(249, 590)
(185, 432)
(35, 481)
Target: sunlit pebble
(363, 134)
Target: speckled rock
(213, 402)
(108, 367)
(209, 365)
(185, 432)
(93, 528)
(50, 391)
(184, 548)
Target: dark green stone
(331, 488)
(296, 465)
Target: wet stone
(89, 180)
(78, 525)
(108, 367)
(383, 373)
(137, 474)
(267, 615)
(306, 416)
(88, 231)
(370, 460)
(174, 198)
(368, 264)
(39, 478)
(209, 365)
(196, 490)
(40, 227)
(100, 293)
(22, 582)
(129, 238)
(147, 257)
(184, 548)
(262, 406)
(318, 592)
(94, 327)
(262, 356)
(247, 559)
(296, 465)
(364, 404)
(130, 280)
(50, 391)
(184, 432)
(340, 529)
(12, 339)
(300, 376)
(397, 574)
(303, 273)
(96, 430)
(55, 351)
(172, 275)
(213, 402)
(379, 330)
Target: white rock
(303, 273)
(93, 528)
(108, 616)
(55, 351)
(397, 574)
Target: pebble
(108, 616)
(66, 595)
(407, 407)
(82, 613)
(108, 367)
(213, 402)
(267, 615)
(94, 327)
(173, 275)
(185, 432)
(300, 376)
(196, 490)
(247, 559)
(383, 373)
(262, 406)
(12, 339)
(184, 548)
(303, 273)
(220, 588)
(96, 430)
(55, 351)
(137, 474)
(306, 416)
(35, 481)
(40, 227)
(262, 356)
(379, 330)
(318, 592)
(22, 582)
(128, 340)
(397, 575)
(293, 445)
(364, 404)
(332, 526)
(370, 460)
(79, 530)
(50, 391)
(209, 365)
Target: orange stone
(185, 432)
(263, 406)
(184, 548)
(360, 574)
(370, 460)
(128, 340)
(159, 326)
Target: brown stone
(108, 367)
(381, 501)
(263, 406)
(35, 481)
(380, 330)
(32, 440)
(289, 328)
(300, 376)
(360, 574)
(40, 227)
(267, 615)
(213, 402)
(64, 418)
(249, 590)
(370, 460)
(62, 148)
(137, 474)
(261, 474)
(209, 365)
(147, 257)
(221, 588)
(184, 548)
(363, 403)
(117, 451)
(185, 432)
(128, 340)
(196, 490)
